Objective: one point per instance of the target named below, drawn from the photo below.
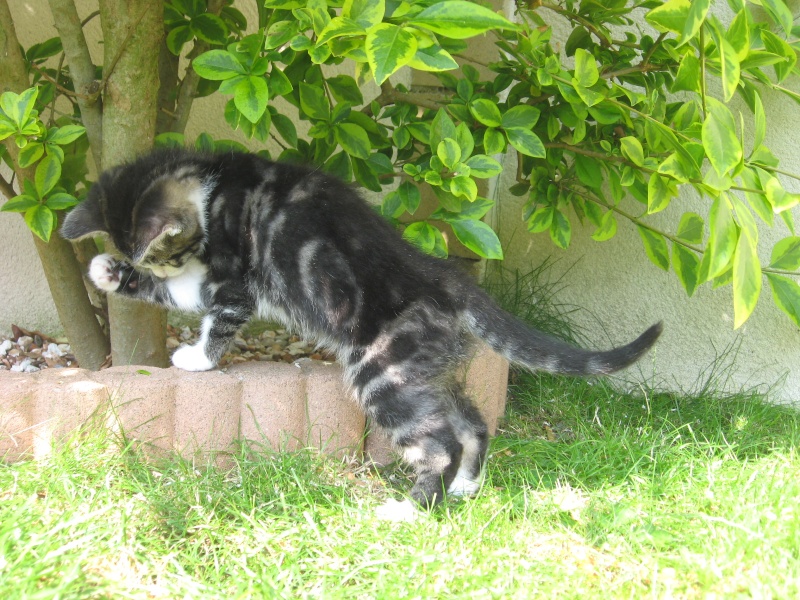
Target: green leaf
(486, 112)
(655, 246)
(388, 48)
(690, 229)
(780, 199)
(521, 116)
(589, 171)
(560, 230)
(746, 279)
(632, 149)
(738, 35)
(365, 175)
(251, 96)
(779, 13)
(313, 101)
(483, 166)
(32, 152)
(526, 142)
(433, 58)
(760, 121)
(48, 172)
(409, 196)
(217, 65)
(730, 70)
(541, 219)
(694, 20)
(210, 28)
(776, 45)
(586, 73)
(723, 237)
(660, 191)
(60, 201)
(607, 228)
(786, 294)
(178, 37)
(786, 254)
(19, 203)
(353, 139)
(340, 27)
(688, 76)
(422, 235)
(339, 165)
(345, 89)
(18, 107)
(493, 141)
(460, 20)
(41, 221)
(687, 268)
(449, 152)
(478, 237)
(465, 140)
(65, 135)
(464, 187)
(285, 126)
(442, 127)
(169, 139)
(670, 16)
(720, 141)
(364, 12)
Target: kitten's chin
(192, 358)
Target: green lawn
(589, 493)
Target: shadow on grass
(586, 434)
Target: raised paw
(192, 358)
(103, 273)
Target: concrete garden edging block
(269, 405)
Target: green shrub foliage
(615, 111)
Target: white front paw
(192, 358)
(103, 274)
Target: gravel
(30, 351)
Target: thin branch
(646, 58)
(188, 87)
(81, 69)
(7, 188)
(51, 121)
(90, 17)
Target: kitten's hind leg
(474, 437)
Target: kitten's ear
(84, 220)
(153, 231)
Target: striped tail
(537, 351)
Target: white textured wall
(620, 290)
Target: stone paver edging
(277, 406)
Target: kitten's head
(152, 211)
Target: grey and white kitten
(234, 235)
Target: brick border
(271, 405)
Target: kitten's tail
(537, 351)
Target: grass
(589, 493)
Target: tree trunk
(132, 32)
(61, 268)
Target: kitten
(234, 235)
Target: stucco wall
(620, 290)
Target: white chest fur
(186, 286)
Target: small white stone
(52, 351)
(5, 346)
(398, 512)
(25, 342)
